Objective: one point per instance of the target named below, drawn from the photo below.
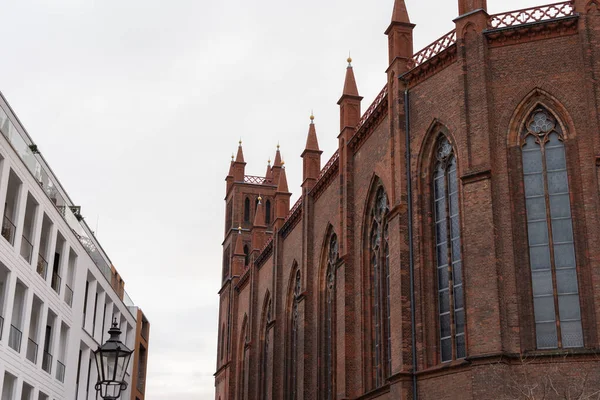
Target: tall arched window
(332, 259)
(247, 210)
(265, 355)
(293, 348)
(550, 233)
(244, 367)
(268, 212)
(448, 254)
(380, 287)
(246, 255)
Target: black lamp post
(112, 360)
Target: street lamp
(112, 360)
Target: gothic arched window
(247, 210)
(293, 359)
(245, 367)
(380, 287)
(448, 254)
(265, 355)
(332, 259)
(246, 255)
(550, 233)
(268, 212)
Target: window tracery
(380, 270)
(332, 260)
(550, 233)
(451, 313)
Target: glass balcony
(26, 249)
(32, 350)
(47, 362)
(60, 371)
(8, 230)
(55, 283)
(42, 266)
(68, 295)
(14, 339)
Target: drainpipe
(411, 257)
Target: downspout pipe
(411, 256)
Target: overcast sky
(138, 104)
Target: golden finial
(277, 145)
(259, 199)
(232, 157)
(282, 163)
(312, 116)
(269, 162)
(240, 230)
(349, 60)
(240, 142)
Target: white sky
(138, 104)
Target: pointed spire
(239, 244)
(311, 141)
(269, 173)
(277, 162)
(282, 186)
(350, 88)
(400, 13)
(231, 166)
(259, 216)
(240, 154)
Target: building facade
(59, 292)
(450, 247)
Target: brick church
(450, 247)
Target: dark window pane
(440, 187)
(539, 257)
(564, 255)
(566, 280)
(536, 208)
(445, 325)
(454, 227)
(442, 254)
(560, 206)
(542, 283)
(546, 335)
(444, 302)
(461, 348)
(557, 182)
(460, 321)
(534, 185)
(442, 278)
(441, 231)
(458, 297)
(568, 307)
(457, 273)
(446, 350)
(572, 335)
(452, 183)
(537, 232)
(544, 308)
(562, 230)
(453, 204)
(440, 210)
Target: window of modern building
(448, 254)
(42, 258)
(34, 330)
(27, 237)
(16, 327)
(550, 233)
(70, 278)
(27, 391)
(9, 386)
(9, 219)
(57, 264)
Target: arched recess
(329, 260)
(293, 317)
(244, 367)
(376, 286)
(266, 346)
(529, 127)
(438, 266)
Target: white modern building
(58, 289)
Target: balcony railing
(532, 15)
(42, 266)
(56, 281)
(8, 230)
(47, 362)
(32, 350)
(60, 371)
(26, 249)
(14, 338)
(68, 295)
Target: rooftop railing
(531, 15)
(43, 174)
(433, 49)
